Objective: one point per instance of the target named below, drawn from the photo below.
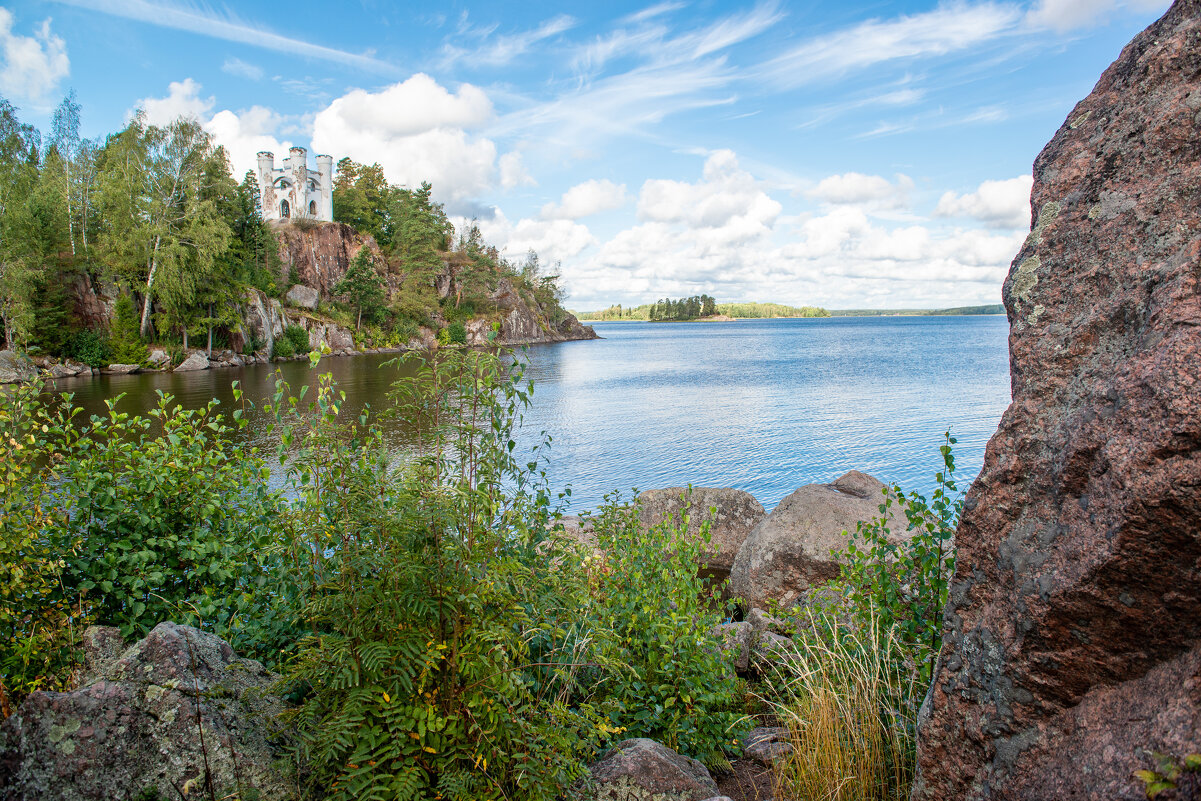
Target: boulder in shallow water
(735, 514)
(1073, 635)
(790, 550)
(196, 361)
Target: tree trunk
(149, 287)
(185, 337)
(358, 324)
(210, 345)
(70, 222)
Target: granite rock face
(644, 770)
(320, 254)
(177, 714)
(1074, 628)
(790, 550)
(736, 514)
(15, 368)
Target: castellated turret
(293, 191)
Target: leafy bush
(283, 349)
(457, 333)
(86, 346)
(413, 576)
(299, 339)
(906, 585)
(125, 340)
(131, 520)
(666, 677)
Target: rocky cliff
(1073, 640)
(319, 253)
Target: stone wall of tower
(293, 191)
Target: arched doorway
(285, 210)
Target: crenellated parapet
(293, 191)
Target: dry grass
(851, 712)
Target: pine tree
(362, 287)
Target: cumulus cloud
(183, 100)
(513, 172)
(857, 189)
(418, 131)
(728, 200)
(998, 204)
(583, 200)
(32, 65)
(246, 133)
(552, 240)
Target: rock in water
(196, 361)
(1074, 627)
(153, 722)
(737, 512)
(789, 551)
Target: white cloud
(32, 66)
(246, 133)
(513, 172)
(241, 69)
(500, 50)
(227, 26)
(417, 131)
(857, 189)
(1066, 15)
(728, 201)
(951, 28)
(552, 240)
(587, 198)
(998, 204)
(183, 100)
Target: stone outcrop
(320, 253)
(301, 296)
(177, 715)
(736, 514)
(121, 369)
(644, 770)
(1074, 627)
(15, 368)
(195, 361)
(790, 550)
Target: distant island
(699, 307)
(703, 307)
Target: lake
(759, 405)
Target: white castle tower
(294, 191)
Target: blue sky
(852, 154)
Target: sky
(858, 154)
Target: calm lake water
(759, 405)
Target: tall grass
(850, 706)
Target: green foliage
(654, 620)
(1167, 773)
(123, 520)
(683, 309)
(86, 346)
(456, 333)
(769, 310)
(283, 349)
(362, 287)
(125, 341)
(905, 585)
(298, 338)
(418, 584)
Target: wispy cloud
(496, 51)
(650, 12)
(206, 22)
(947, 29)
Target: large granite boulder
(790, 550)
(177, 714)
(15, 368)
(641, 769)
(195, 361)
(736, 514)
(301, 296)
(1073, 640)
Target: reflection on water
(761, 405)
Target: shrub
(125, 340)
(457, 333)
(416, 580)
(665, 676)
(299, 339)
(283, 349)
(130, 521)
(906, 585)
(86, 346)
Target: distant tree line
(736, 310)
(691, 308)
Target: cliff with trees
(151, 220)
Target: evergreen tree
(362, 287)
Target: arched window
(312, 208)
(285, 211)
